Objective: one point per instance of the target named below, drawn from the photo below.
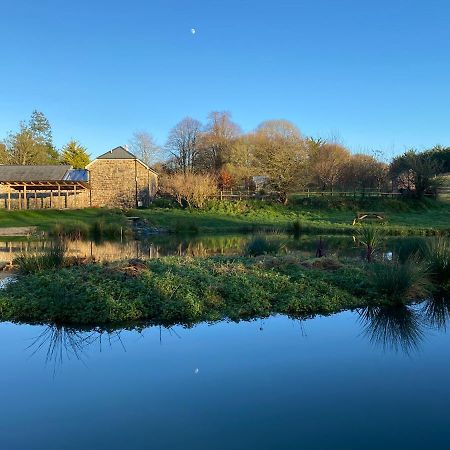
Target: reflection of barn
(115, 179)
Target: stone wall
(122, 183)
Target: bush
(261, 246)
(397, 282)
(191, 189)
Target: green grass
(45, 219)
(313, 215)
(175, 290)
(188, 290)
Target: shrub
(261, 246)
(369, 236)
(191, 189)
(399, 282)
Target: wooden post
(51, 198)
(9, 197)
(35, 200)
(59, 196)
(25, 196)
(67, 200)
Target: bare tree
(326, 162)
(143, 145)
(217, 141)
(182, 144)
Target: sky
(374, 73)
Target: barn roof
(121, 153)
(33, 173)
(118, 153)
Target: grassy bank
(316, 215)
(176, 290)
(326, 215)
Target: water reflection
(205, 245)
(403, 327)
(60, 343)
(436, 312)
(395, 328)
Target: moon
(193, 30)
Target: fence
(248, 194)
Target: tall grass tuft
(296, 228)
(52, 258)
(399, 282)
(261, 246)
(103, 230)
(437, 255)
(71, 230)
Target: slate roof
(33, 173)
(117, 153)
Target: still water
(204, 245)
(357, 380)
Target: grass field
(325, 215)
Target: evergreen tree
(75, 154)
(32, 144)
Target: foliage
(34, 263)
(32, 144)
(415, 172)
(260, 245)
(70, 230)
(399, 282)
(75, 155)
(326, 162)
(437, 255)
(189, 188)
(170, 290)
(369, 236)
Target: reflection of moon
(193, 30)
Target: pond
(355, 380)
(203, 245)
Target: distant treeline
(219, 155)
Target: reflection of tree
(395, 328)
(436, 312)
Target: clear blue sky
(374, 72)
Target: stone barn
(119, 179)
(115, 179)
